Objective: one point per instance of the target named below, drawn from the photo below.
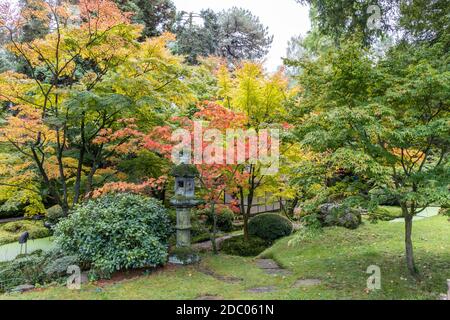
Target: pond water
(427, 213)
(11, 250)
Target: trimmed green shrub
(116, 231)
(385, 214)
(225, 219)
(54, 214)
(238, 246)
(270, 226)
(11, 211)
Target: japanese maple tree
(84, 82)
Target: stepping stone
(207, 297)
(262, 289)
(23, 288)
(278, 272)
(219, 277)
(267, 264)
(306, 283)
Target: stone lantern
(183, 201)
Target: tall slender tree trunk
(62, 179)
(409, 246)
(54, 193)
(214, 229)
(90, 177)
(245, 228)
(243, 212)
(248, 213)
(80, 165)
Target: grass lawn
(338, 257)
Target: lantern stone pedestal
(183, 201)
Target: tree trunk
(288, 209)
(80, 165)
(409, 246)
(293, 206)
(62, 176)
(90, 178)
(245, 228)
(243, 212)
(214, 230)
(52, 190)
(248, 213)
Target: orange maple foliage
(216, 178)
(147, 187)
(101, 15)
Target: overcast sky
(285, 18)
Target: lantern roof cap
(184, 171)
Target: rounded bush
(383, 214)
(238, 246)
(269, 226)
(225, 218)
(54, 214)
(116, 231)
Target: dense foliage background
(91, 92)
